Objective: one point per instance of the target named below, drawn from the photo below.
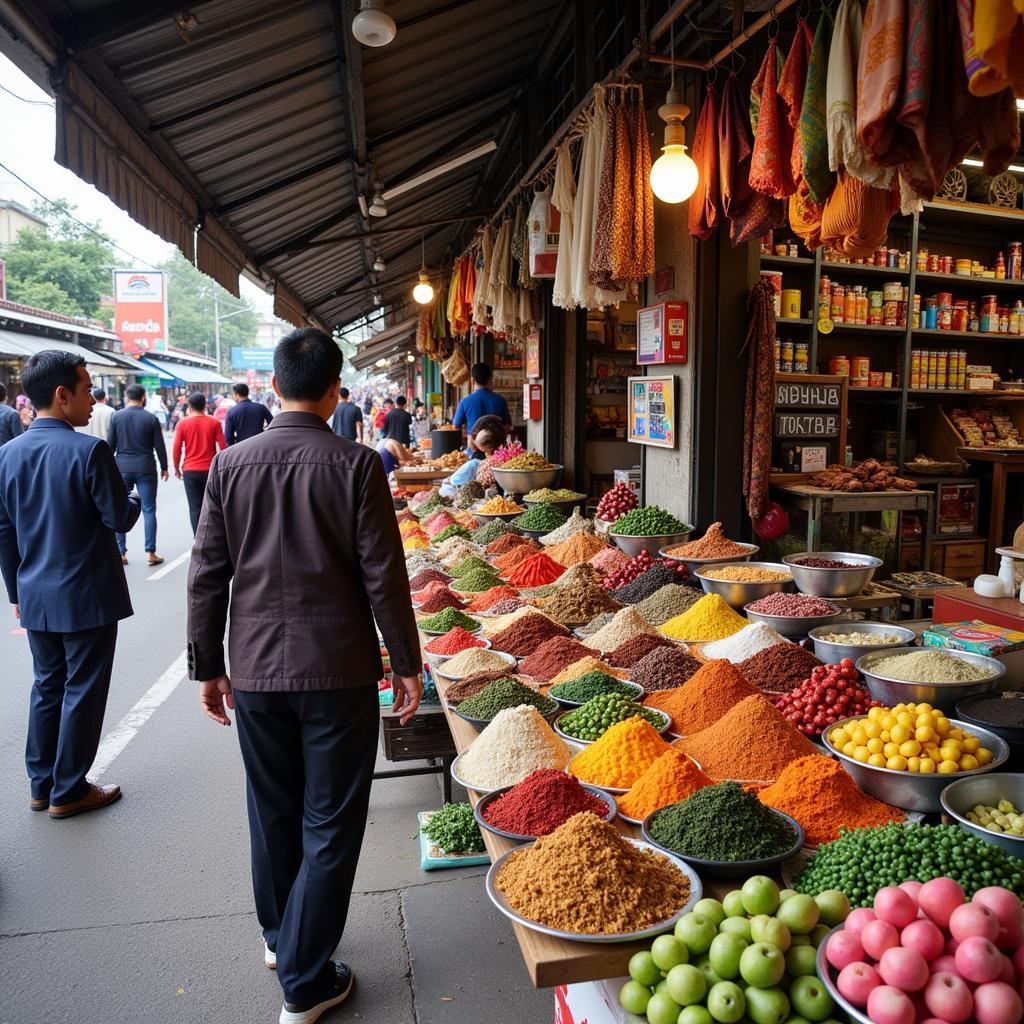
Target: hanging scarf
(792, 83)
(880, 77)
(805, 217)
(454, 287)
(770, 170)
(999, 39)
(703, 215)
(856, 216)
(759, 406)
(641, 223)
(616, 152)
(813, 130)
(483, 269)
(562, 197)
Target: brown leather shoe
(38, 803)
(97, 797)
(154, 559)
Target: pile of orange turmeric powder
(673, 777)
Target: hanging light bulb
(674, 175)
(424, 290)
(378, 208)
(411, 358)
(373, 26)
(377, 298)
(379, 265)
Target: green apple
(696, 931)
(801, 960)
(799, 940)
(834, 906)
(724, 954)
(737, 926)
(704, 966)
(798, 1020)
(818, 933)
(667, 951)
(799, 914)
(662, 1009)
(732, 904)
(760, 895)
(726, 1002)
(784, 895)
(770, 929)
(634, 997)
(686, 984)
(810, 999)
(711, 909)
(762, 965)
(695, 1015)
(767, 1005)
(662, 986)
(643, 969)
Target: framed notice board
(652, 411)
(808, 425)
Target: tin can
(874, 308)
(944, 299)
(933, 370)
(801, 357)
(787, 356)
(892, 291)
(894, 258)
(960, 315)
(778, 355)
(922, 259)
(945, 264)
(838, 303)
(781, 249)
(1013, 261)
(850, 306)
(989, 314)
(892, 312)
(881, 256)
(862, 307)
(875, 378)
(824, 299)
(962, 268)
(887, 379)
(933, 262)
(839, 366)
(945, 318)
(860, 370)
(915, 368)
(942, 370)
(961, 380)
(791, 303)
(793, 250)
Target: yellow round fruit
(897, 763)
(837, 737)
(891, 749)
(888, 720)
(877, 760)
(968, 763)
(900, 734)
(948, 767)
(906, 719)
(924, 733)
(875, 745)
(910, 749)
(861, 754)
(984, 756)
(942, 725)
(971, 744)
(848, 748)
(875, 714)
(860, 737)
(913, 764)
(927, 766)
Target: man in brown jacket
(298, 531)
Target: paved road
(142, 913)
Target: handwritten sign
(791, 395)
(806, 424)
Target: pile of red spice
(553, 655)
(637, 647)
(610, 560)
(439, 600)
(489, 598)
(439, 523)
(540, 803)
(507, 562)
(427, 576)
(429, 590)
(525, 635)
(452, 642)
(535, 571)
(508, 541)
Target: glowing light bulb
(424, 290)
(674, 175)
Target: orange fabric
(856, 216)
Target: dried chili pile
(525, 635)
(552, 656)
(779, 668)
(535, 571)
(540, 803)
(704, 698)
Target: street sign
(140, 310)
(252, 358)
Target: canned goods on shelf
(839, 366)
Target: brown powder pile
(626, 625)
(779, 667)
(507, 541)
(583, 666)
(637, 647)
(465, 688)
(587, 877)
(579, 548)
(664, 669)
(526, 634)
(552, 656)
(573, 606)
(577, 575)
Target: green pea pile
(539, 517)
(477, 580)
(455, 530)
(864, 860)
(590, 685)
(505, 693)
(449, 619)
(652, 521)
(491, 531)
(470, 564)
(592, 720)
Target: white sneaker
(269, 957)
(295, 1013)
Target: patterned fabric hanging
(805, 217)
(563, 196)
(704, 214)
(856, 216)
(770, 170)
(880, 73)
(792, 82)
(759, 404)
(813, 131)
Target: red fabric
(201, 436)
(770, 165)
(792, 83)
(704, 214)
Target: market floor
(143, 912)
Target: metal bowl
(522, 481)
(486, 517)
(792, 626)
(484, 802)
(586, 743)
(910, 790)
(507, 658)
(693, 564)
(832, 653)
(833, 582)
(942, 695)
(533, 534)
(437, 660)
(970, 710)
(480, 724)
(738, 593)
(565, 507)
(632, 546)
(827, 974)
(959, 797)
(730, 868)
(638, 692)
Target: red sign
(661, 334)
(140, 310)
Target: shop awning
(11, 345)
(183, 372)
(27, 345)
(388, 342)
(127, 364)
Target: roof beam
(118, 19)
(346, 286)
(286, 182)
(376, 232)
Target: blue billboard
(252, 358)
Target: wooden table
(1003, 461)
(962, 604)
(413, 480)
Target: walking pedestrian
(10, 421)
(99, 423)
(245, 418)
(61, 500)
(201, 437)
(134, 435)
(398, 423)
(305, 657)
(347, 420)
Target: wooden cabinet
(957, 559)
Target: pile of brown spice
(637, 647)
(704, 698)
(664, 669)
(465, 688)
(714, 544)
(577, 549)
(583, 666)
(778, 668)
(552, 656)
(573, 606)
(587, 877)
(577, 575)
(439, 600)
(667, 602)
(506, 542)
(526, 634)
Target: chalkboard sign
(809, 425)
(803, 395)
(806, 424)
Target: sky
(26, 152)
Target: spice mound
(673, 777)
(647, 584)
(758, 636)
(526, 634)
(577, 523)
(823, 798)
(637, 647)
(455, 530)
(741, 573)
(667, 602)
(425, 576)
(492, 531)
(539, 517)
(469, 564)
(455, 693)
(547, 494)
(626, 625)
(580, 547)
(931, 667)
(489, 598)
(651, 521)
(723, 823)
(467, 662)
(592, 720)
(572, 606)
(591, 684)
(596, 623)
(535, 571)
(528, 461)
(439, 599)
(826, 563)
(620, 756)
(664, 669)
(453, 829)
(510, 540)
(779, 668)
(587, 877)
(552, 656)
(540, 803)
(505, 693)
(704, 698)
(714, 544)
(584, 666)
(468, 494)
(797, 606)
(578, 575)
(518, 741)
(610, 560)
(499, 506)
(442, 622)
(453, 642)
(709, 619)
(751, 742)
(478, 580)
(860, 639)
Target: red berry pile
(831, 694)
(629, 572)
(616, 502)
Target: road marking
(122, 734)
(169, 567)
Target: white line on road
(169, 567)
(122, 734)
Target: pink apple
(973, 919)
(939, 898)
(905, 969)
(878, 936)
(1018, 962)
(856, 982)
(948, 997)
(1008, 973)
(911, 888)
(895, 906)
(977, 960)
(933, 1020)
(888, 1005)
(945, 963)
(1007, 907)
(857, 919)
(925, 937)
(997, 1003)
(842, 949)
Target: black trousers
(69, 698)
(195, 488)
(309, 761)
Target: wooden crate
(426, 735)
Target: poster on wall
(140, 310)
(661, 334)
(533, 354)
(652, 411)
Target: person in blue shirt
(482, 402)
(245, 418)
(62, 499)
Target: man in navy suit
(62, 498)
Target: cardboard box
(974, 636)
(593, 1002)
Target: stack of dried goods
(868, 475)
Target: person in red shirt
(201, 436)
